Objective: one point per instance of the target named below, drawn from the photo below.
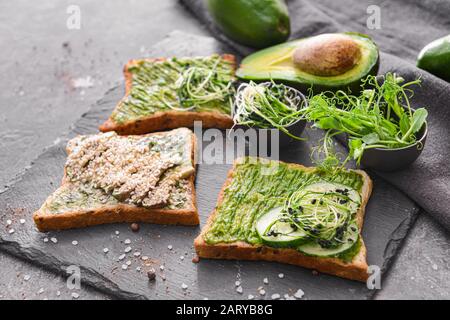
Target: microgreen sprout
(379, 117)
(268, 106)
(321, 215)
(199, 85)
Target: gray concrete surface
(421, 270)
(40, 63)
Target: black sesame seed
(325, 243)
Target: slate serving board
(389, 216)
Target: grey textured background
(40, 57)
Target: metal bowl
(395, 159)
(275, 135)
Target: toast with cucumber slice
(284, 212)
(168, 93)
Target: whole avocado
(435, 58)
(253, 23)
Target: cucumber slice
(325, 187)
(315, 249)
(276, 233)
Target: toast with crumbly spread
(247, 190)
(152, 103)
(110, 178)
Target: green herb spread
(199, 84)
(252, 193)
(107, 169)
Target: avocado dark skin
(254, 23)
(435, 58)
(334, 61)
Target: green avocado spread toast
(170, 93)
(276, 211)
(111, 178)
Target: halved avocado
(326, 62)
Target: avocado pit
(327, 55)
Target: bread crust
(170, 119)
(354, 270)
(121, 212)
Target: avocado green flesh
(435, 58)
(254, 23)
(154, 87)
(79, 197)
(252, 193)
(70, 197)
(276, 63)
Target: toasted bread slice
(241, 250)
(168, 118)
(98, 207)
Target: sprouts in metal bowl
(268, 105)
